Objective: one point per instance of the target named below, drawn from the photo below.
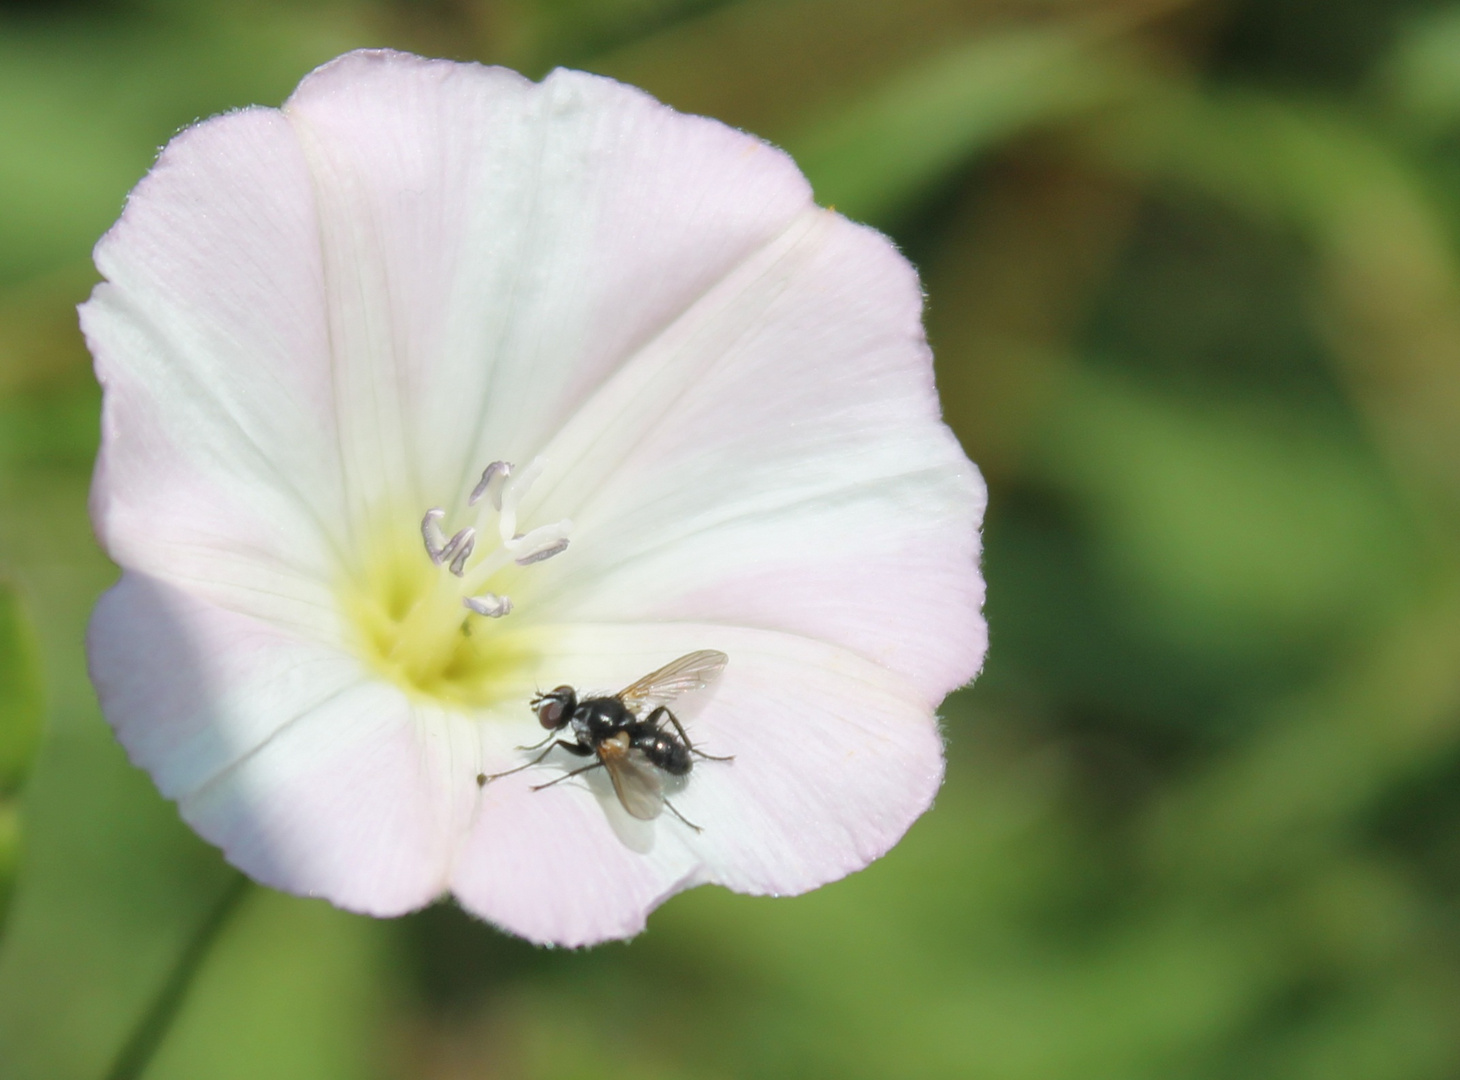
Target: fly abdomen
(664, 751)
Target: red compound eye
(555, 709)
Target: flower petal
(311, 775)
(833, 760)
(496, 247)
(777, 460)
(550, 866)
(318, 317)
(218, 464)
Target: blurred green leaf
(909, 132)
(898, 99)
(21, 707)
(1234, 526)
(290, 991)
(10, 839)
(765, 65)
(1420, 78)
(87, 105)
(1390, 278)
(41, 351)
(21, 716)
(1324, 756)
(553, 32)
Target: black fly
(633, 734)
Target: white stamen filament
(513, 492)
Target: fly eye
(552, 709)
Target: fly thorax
(599, 718)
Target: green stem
(137, 1054)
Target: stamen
(544, 553)
(505, 487)
(497, 470)
(489, 604)
(432, 534)
(451, 546)
(541, 543)
(462, 544)
(512, 494)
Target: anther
(459, 549)
(504, 486)
(541, 543)
(544, 553)
(489, 604)
(448, 549)
(496, 470)
(431, 533)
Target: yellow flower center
(432, 612)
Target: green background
(1193, 277)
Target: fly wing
(692, 671)
(636, 783)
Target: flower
(438, 387)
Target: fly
(633, 734)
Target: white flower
(320, 324)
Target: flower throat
(425, 616)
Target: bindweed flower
(438, 388)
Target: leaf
(21, 716)
(88, 105)
(878, 102)
(1390, 277)
(21, 705)
(1420, 78)
(289, 991)
(911, 131)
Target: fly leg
(675, 810)
(663, 711)
(570, 775)
(539, 745)
(572, 748)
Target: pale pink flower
(321, 323)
